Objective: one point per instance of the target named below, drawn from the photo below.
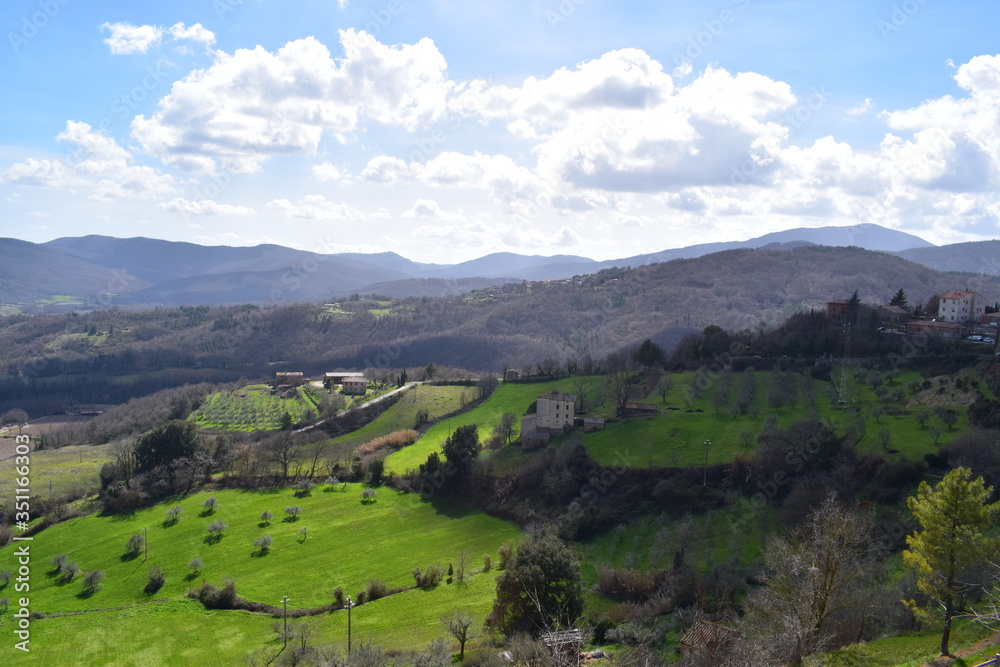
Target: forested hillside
(515, 325)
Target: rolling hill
(98, 271)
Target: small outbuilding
(565, 646)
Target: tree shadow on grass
(213, 538)
(128, 556)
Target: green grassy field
(676, 437)
(515, 398)
(909, 650)
(438, 401)
(68, 468)
(182, 632)
(346, 545)
(251, 408)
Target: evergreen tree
(899, 299)
(649, 354)
(462, 447)
(952, 516)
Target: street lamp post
(708, 443)
(350, 603)
(284, 602)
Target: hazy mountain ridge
(146, 271)
(974, 257)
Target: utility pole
(350, 603)
(708, 444)
(284, 602)
(145, 544)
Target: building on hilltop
(836, 307)
(961, 306)
(338, 376)
(292, 379)
(555, 411)
(355, 385)
(554, 414)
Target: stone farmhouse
(355, 385)
(554, 414)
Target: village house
(355, 385)
(555, 411)
(961, 306)
(339, 376)
(990, 319)
(292, 379)
(836, 307)
(942, 329)
(893, 314)
(554, 414)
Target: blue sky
(447, 130)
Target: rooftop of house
(707, 633)
(556, 396)
(955, 294)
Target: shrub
(376, 589)
(487, 563)
(92, 582)
(195, 565)
(265, 517)
(506, 552)
(338, 597)
(59, 561)
(304, 488)
(430, 577)
(293, 513)
(174, 514)
(218, 598)
(210, 504)
(4, 578)
(156, 579)
(395, 440)
(368, 496)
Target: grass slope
(676, 437)
(250, 408)
(347, 544)
(515, 398)
(68, 468)
(438, 401)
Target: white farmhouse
(555, 411)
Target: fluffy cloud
(328, 172)
(318, 207)
(254, 104)
(126, 38)
(204, 207)
(385, 169)
(98, 164)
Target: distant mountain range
(99, 271)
